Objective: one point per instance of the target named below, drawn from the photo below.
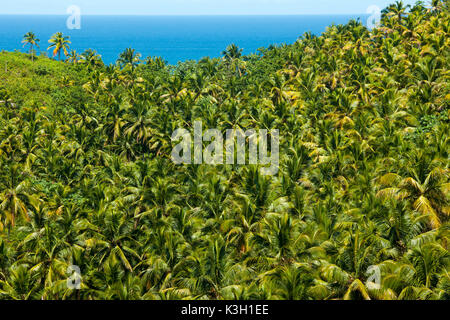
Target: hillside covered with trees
(359, 208)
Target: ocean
(174, 38)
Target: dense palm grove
(86, 177)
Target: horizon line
(184, 15)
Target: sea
(174, 38)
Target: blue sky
(192, 7)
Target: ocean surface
(174, 38)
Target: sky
(192, 7)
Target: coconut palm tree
(59, 42)
(31, 40)
(232, 57)
(129, 57)
(425, 190)
(73, 57)
(14, 198)
(398, 10)
(91, 59)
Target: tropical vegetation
(358, 210)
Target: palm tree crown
(31, 39)
(59, 42)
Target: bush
(41, 71)
(4, 95)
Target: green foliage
(86, 177)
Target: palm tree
(73, 57)
(425, 190)
(232, 52)
(14, 198)
(157, 63)
(428, 261)
(30, 39)
(397, 10)
(232, 57)
(59, 43)
(91, 59)
(22, 284)
(129, 57)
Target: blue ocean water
(174, 38)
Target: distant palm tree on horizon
(129, 57)
(59, 42)
(232, 56)
(30, 38)
(232, 52)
